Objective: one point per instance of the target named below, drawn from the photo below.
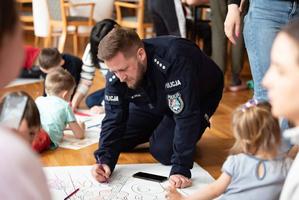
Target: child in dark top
(50, 59)
(29, 67)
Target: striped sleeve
(88, 72)
(88, 68)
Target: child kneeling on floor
(54, 109)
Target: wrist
(233, 7)
(176, 169)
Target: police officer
(162, 90)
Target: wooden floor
(211, 150)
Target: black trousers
(144, 126)
(164, 17)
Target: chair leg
(48, 41)
(62, 40)
(36, 41)
(140, 32)
(75, 41)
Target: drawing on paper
(122, 186)
(92, 133)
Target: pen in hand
(101, 167)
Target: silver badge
(175, 103)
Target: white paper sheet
(122, 186)
(92, 132)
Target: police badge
(175, 103)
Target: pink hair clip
(249, 104)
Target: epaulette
(161, 64)
(111, 78)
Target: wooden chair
(134, 21)
(60, 18)
(25, 12)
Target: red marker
(70, 195)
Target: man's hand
(179, 181)
(101, 172)
(232, 23)
(173, 194)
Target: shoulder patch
(161, 63)
(175, 103)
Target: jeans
(96, 98)
(261, 24)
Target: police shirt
(177, 78)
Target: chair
(41, 21)
(25, 11)
(198, 27)
(134, 21)
(60, 18)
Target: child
(90, 63)
(29, 67)
(30, 122)
(256, 169)
(54, 108)
(281, 81)
(51, 59)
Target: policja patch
(175, 103)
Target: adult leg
(237, 58)
(261, 24)
(161, 142)
(96, 98)
(219, 41)
(140, 126)
(164, 17)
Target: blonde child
(54, 109)
(256, 169)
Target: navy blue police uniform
(179, 92)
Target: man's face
(282, 78)
(128, 69)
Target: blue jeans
(96, 98)
(261, 24)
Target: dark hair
(119, 40)
(31, 113)
(49, 57)
(292, 29)
(8, 18)
(98, 32)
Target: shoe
(236, 88)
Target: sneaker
(236, 88)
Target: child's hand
(82, 125)
(173, 194)
(97, 109)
